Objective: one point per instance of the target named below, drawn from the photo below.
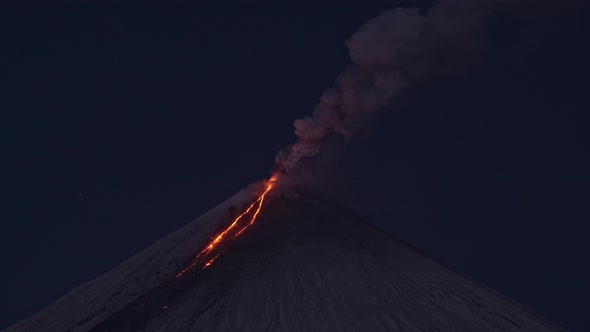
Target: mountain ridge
(309, 264)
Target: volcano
(307, 264)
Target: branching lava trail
(234, 225)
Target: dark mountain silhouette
(305, 265)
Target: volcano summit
(306, 265)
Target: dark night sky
(125, 122)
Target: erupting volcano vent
(306, 264)
(234, 227)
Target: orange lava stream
(254, 216)
(258, 202)
(211, 261)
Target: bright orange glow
(253, 216)
(211, 245)
(211, 261)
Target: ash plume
(391, 52)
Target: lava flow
(213, 243)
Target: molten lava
(235, 224)
(209, 262)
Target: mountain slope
(90, 303)
(306, 265)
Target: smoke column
(396, 50)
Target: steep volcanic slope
(306, 265)
(91, 303)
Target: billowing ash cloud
(397, 49)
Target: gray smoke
(391, 52)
